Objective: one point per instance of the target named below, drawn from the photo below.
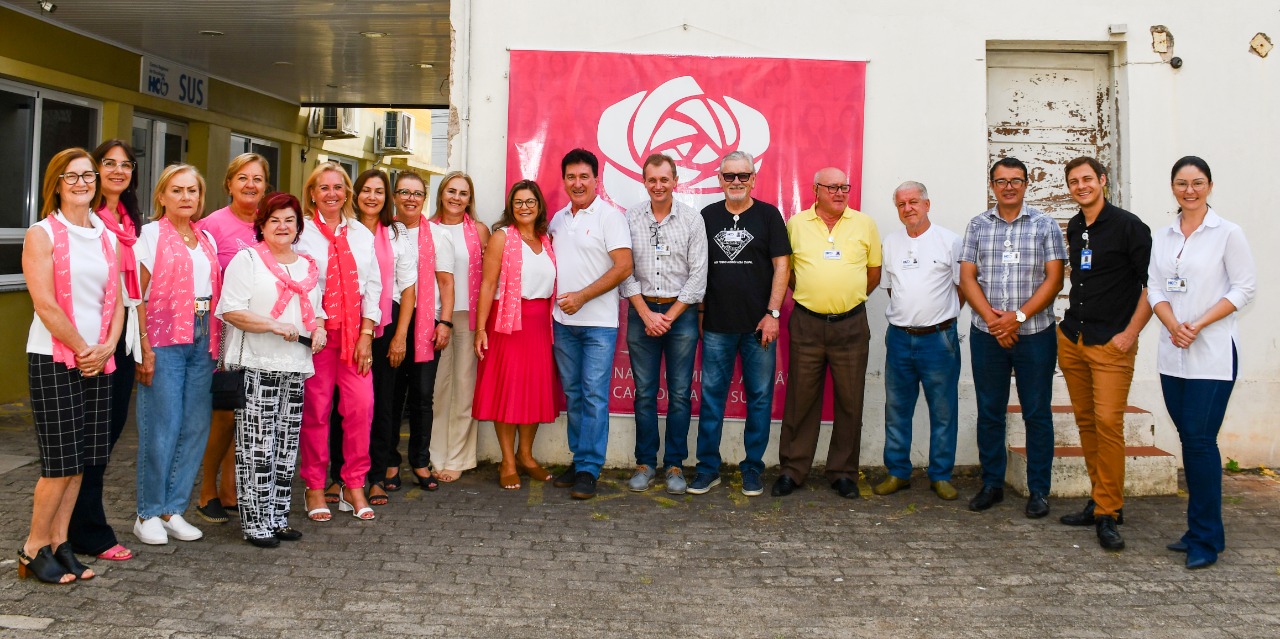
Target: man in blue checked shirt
(1011, 265)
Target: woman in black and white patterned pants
(271, 303)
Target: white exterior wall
(926, 121)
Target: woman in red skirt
(515, 387)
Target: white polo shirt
(922, 272)
(582, 242)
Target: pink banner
(794, 116)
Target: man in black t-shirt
(748, 252)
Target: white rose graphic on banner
(680, 120)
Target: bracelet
(449, 324)
(367, 331)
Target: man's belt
(659, 300)
(926, 330)
(202, 305)
(826, 317)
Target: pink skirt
(516, 381)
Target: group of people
(338, 314)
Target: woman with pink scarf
(344, 252)
(515, 384)
(180, 282)
(69, 262)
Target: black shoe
(67, 558)
(986, 498)
(783, 486)
(1037, 506)
(584, 486)
(288, 534)
(1177, 546)
(847, 488)
(1108, 536)
(263, 542)
(566, 479)
(213, 512)
(1085, 516)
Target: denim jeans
(913, 361)
(719, 353)
(584, 355)
(679, 346)
(1197, 407)
(173, 424)
(1031, 361)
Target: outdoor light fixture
(421, 65)
(47, 7)
(210, 32)
(373, 35)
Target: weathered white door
(1047, 109)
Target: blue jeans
(1031, 360)
(584, 355)
(719, 353)
(912, 361)
(173, 424)
(678, 345)
(1197, 407)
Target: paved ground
(475, 561)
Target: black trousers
(410, 388)
(89, 532)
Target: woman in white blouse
(271, 301)
(1201, 273)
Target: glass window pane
(11, 258)
(273, 159)
(17, 132)
(63, 126)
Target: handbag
(228, 383)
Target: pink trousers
(355, 403)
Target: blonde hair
(240, 162)
(448, 177)
(309, 205)
(53, 176)
(168, 175)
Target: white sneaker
(150, 531)
(180, 529)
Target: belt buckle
(202, 307)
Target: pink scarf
(127, 236)
(341, 290)
(508, 320)
(287, 287)
(386, 270)
(171, 309)
(424, 318)
(474, 270)
(62, 290)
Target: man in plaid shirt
(1011, 265)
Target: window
(34, 125)
(347, 164)
(245, 144)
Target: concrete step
(1148, 471)
(1139, 427)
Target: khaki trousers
(1098, 380)
(453, 432)
(816, 346)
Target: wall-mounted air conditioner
(395, 136)
(333, 123)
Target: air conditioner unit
(395, 137)
(334, 123)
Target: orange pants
(1098, 379)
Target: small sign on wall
(164, 79)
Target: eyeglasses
(1195, 185)
(406, 193)
(89, 177)
(525, 204)
(834, 188)
(741, 177)
(1015, 183)
(123, 166)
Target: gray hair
(738, 155)
(911, 184)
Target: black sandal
(67, 557)
(392, 484)
(378, 500)
(427, 483)
(44, 566)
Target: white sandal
(365, 514)
(319, 514)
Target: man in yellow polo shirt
(835, 264)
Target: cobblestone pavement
(472, 560)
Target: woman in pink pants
(344, 252)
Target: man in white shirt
(922, 277)
(593, 255)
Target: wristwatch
(1020, 316)
(774, 313)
